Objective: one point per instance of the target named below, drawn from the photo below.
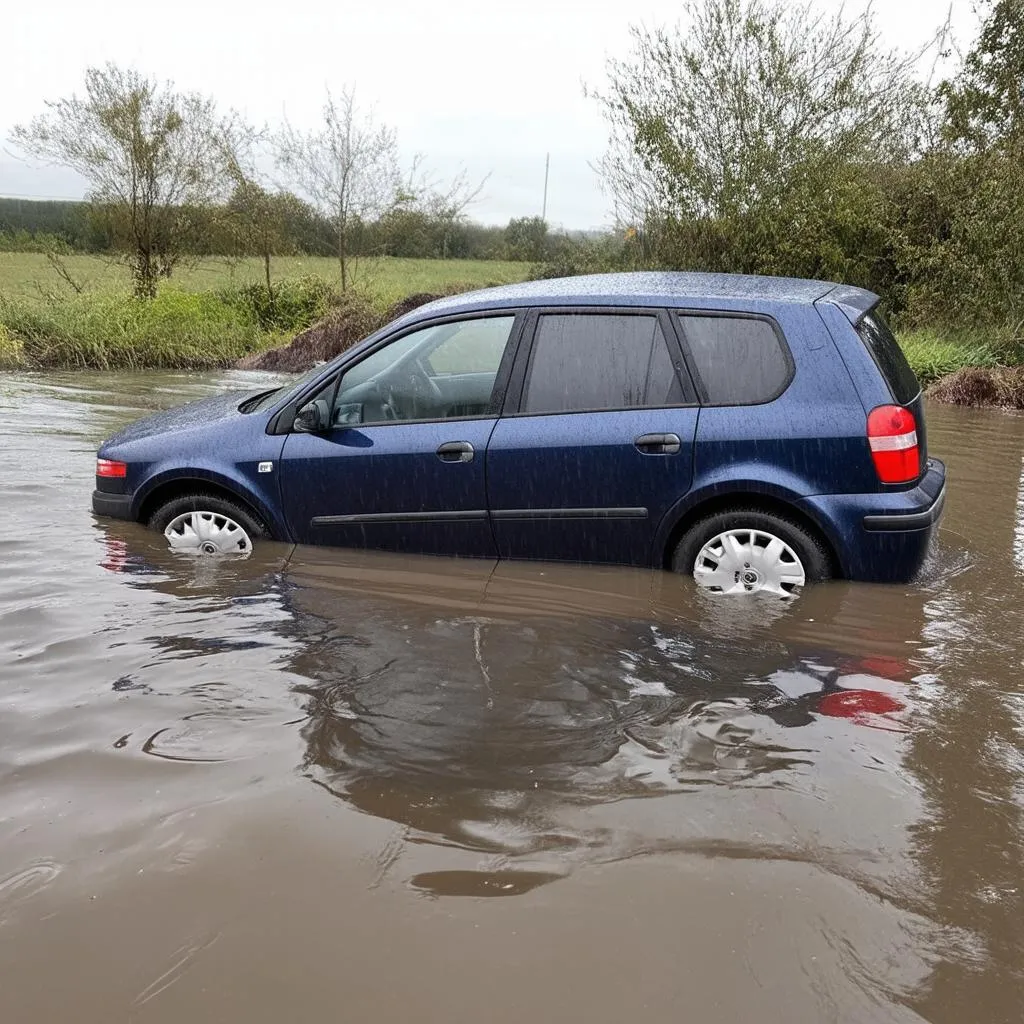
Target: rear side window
(587, 361)
(741, 361)
(886, 352)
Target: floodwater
(321, 785)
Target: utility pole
(544, 208)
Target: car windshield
(267, 399)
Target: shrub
(27, 241)
(294, 305)
(570, 257)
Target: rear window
(886, 352)
(741, 360)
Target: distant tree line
(35, 224)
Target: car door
(597, 441)
(400, 463)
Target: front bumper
(116, 506)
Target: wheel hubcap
(748, 561)
(207, 533)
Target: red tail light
(892, 436)
(105, 467)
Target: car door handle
(659, 444)
(456, 451)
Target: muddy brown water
(322, 785)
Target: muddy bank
(338, 331)
(979, 386)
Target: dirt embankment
(978, 386)
(329, 337)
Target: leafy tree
(154, 158)
(753, 98)
(526, 238)
(985, 101)
(261, 220)
(347, 168)
(263, 223)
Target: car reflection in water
(485, 708)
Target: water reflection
(481, 706)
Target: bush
(293, 306)
(112, 330)
(604, 254)
(25, 241)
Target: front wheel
(206, 524)
(745, 551)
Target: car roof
(653, 288)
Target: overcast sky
(491, 87)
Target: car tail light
(892, 436)
(106, 467)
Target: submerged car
(755, 433)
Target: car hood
(184, 417)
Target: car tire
(757, 572)
(207, 524)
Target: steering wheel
(426, 395)
(389, 408)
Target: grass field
(28, 275)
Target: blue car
(755, 433)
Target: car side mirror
(313, 418)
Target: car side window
(741, 360)
(439, 372)
(588, 361)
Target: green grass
(29, 275)
(107, 330)
(934, 354)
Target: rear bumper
(884, 537)
(909, 520)
(116, 506)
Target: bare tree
(443, 203)
(154, 159)
(347, 169)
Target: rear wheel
(745, 551)
(207, 524)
